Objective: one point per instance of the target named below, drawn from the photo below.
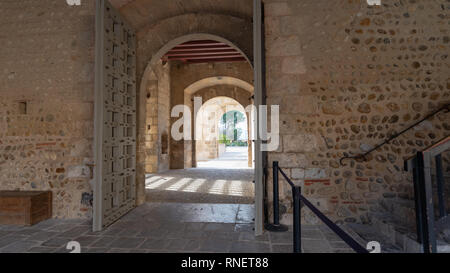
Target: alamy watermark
(182, 128)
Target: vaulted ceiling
(146, 12)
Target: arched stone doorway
(221, 86)
(160, 94)
(211, 138)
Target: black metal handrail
(298, 198)
(394, 136)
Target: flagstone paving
(167, 227)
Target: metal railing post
(440, 186)
(276, 195)
(417, 200)
(276, 226)
(296, 192)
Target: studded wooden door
(115, 117)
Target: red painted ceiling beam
(210, 52)
(200, 48)
(197, 57)
(219, 60)
(200, 43)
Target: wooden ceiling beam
(209, 52)
(197, 57)
(218, 60)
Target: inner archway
(222, 134)
(212, 69)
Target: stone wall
(158, 117)
(347, 76)
(46, 101)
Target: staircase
(393, 226)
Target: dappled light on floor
(223, 180)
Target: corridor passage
(226, 179)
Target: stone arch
(232, 90)
(155, 39)
(206, 126)
(219, 80)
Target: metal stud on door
(115, 117)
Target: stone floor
(167, 227)
(223, 180)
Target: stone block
(277, 9)
(293, 65)
(288, 160)
(284, 46)
(315, 173)
(298, 105)
(299, 143)
(78, 172)
(297, 173)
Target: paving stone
(42, 236)
(195, 234)
(316, 246)
(230, 236)
(94, 250)
(338, 244)
(4, 241)
(113, 231)
(119, 250)
(154, 244)
(47, 223)
(154, 233)
(27, 232)
(281, 237)
(4, 233)
(244, 227)
(18, 247)
(312, 234)
(130, 232)
(250, 236)
(56, 242)
(282, 248)
(167, 236)
(104, 241)
(250, 247)
(175, 234)
(192, 245)
(86, 241)
(74, 232)
(176, 244)
(11, 227)
(127, 242)
(215, 245)
(219, 227)
(194, 226)
(42, 249)
(61, 227)
(344, 250)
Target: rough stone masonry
(346, 76)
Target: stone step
(397, 232)
(402, 209)
(403, 236)
(364, 233)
